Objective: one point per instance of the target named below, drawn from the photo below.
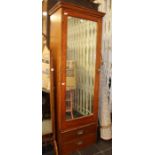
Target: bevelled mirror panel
(80, 67)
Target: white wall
(105, 105)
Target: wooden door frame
(86, 119)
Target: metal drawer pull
(80, 143)
(80, 132)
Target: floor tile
(102, 145)
(109, 152)
(76, 153)
(99, 153)
(91, 150)
(49, 153)
(47, 150)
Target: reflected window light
(44, 13)
(97, 1)
(52, 17)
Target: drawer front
(74, 134)
(78, 143)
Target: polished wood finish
(86, 3)
(75, 8)
(77, 122)
(55, 46)
(77, 138)
(80, 132)
(52, 105)
(78, 143)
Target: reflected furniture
(75, 40)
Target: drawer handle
(80, 132)
(80, 143)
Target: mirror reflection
(80, 67)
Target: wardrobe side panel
(56, 49)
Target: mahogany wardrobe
(75, 42)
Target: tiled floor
(100, 148)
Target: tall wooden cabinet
(75, 41)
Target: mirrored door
(80, 67)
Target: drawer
(73, 134)
(78, 143)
